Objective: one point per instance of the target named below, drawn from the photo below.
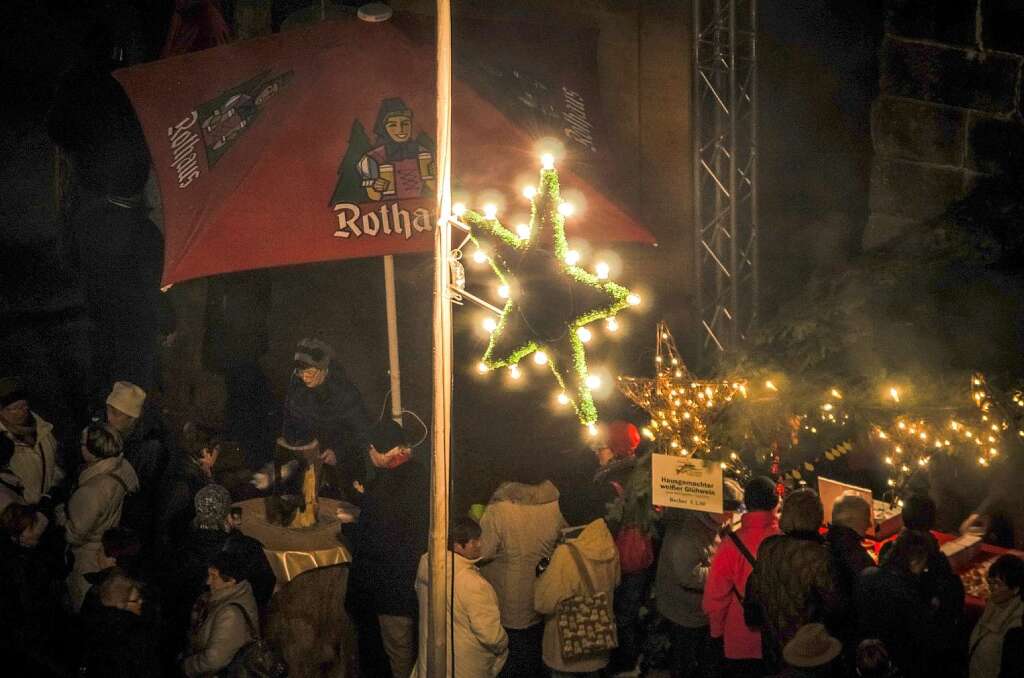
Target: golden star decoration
(681, 406)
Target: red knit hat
(623, 438)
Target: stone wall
(950, 106)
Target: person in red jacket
(727, 579)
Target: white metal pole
(392, 313)
(440, 592)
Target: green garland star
(549, 299)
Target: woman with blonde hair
(95, 505)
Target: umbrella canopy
(317, 144)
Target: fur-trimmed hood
(544, 492)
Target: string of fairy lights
(535, 258)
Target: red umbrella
(317, 144)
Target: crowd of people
(125, 558)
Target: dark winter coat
(120, 644)
(391, 537)
(31, 614)
(333, 411)
(891, 607)
(146, 449)
(850, 559)
(258, 572)
(1012, 665)
(176, 509)
(793, 583)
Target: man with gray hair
(851, 518)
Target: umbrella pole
(392, 314)
(440, 581)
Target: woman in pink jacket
(727, 579)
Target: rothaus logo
(387, 219)
(185, 159)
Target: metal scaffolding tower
(725, 170)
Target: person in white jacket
(35, 447)
(480, 642)
(95, 506)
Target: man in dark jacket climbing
(322, 400)
(390, 538)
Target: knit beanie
(623, 438)
(127, 397)
(11, 391)
(213, 504)
(759, 494)
(313, 353)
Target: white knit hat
(127, 397)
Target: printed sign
(685, 483)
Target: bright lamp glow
(529, 192)
(593, 381)
(458, 209)
(514, 372)
(612, 324)
(566, 209)
(479, 256)
(523, 231)
(572, 257)
(562, 398)
(490, 210)
(503, 291)
(482, 368)
(633, 300)
(602, 269)
(584, 334)
(540, 357)
(547, 161)
(490, 324)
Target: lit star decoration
(680, 405)
(549, 299)
(911, 443)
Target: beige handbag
(586, 623)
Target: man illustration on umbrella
(400, 166)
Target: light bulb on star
(602, 269)
(547, 161)
(593, 381)
(572, 257)
(490, 324)
(540, 357)
(612, 325)
(529, 192)
(562, 398)
(503, 291)
(458, 209)
(523, 231)
(479, 256)
(584, 334)
(490, 210)
(514, 372)
(566, 209)
(633, 299)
